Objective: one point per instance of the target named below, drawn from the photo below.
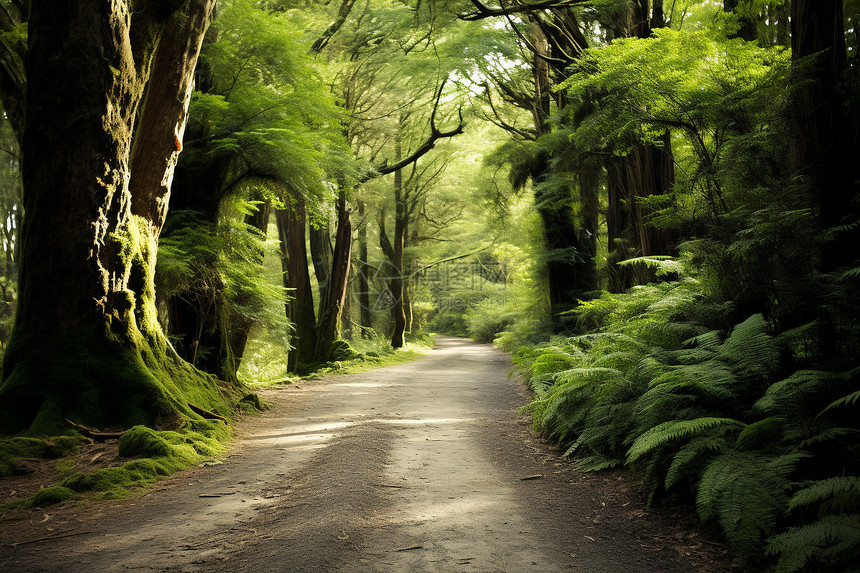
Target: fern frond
(830, 434)
(745, 492)
(849, 400)
(833, 541)
(834, 495)
(662, 264)
(751, 350)
(709, 379)
(596, 463)
(708, 341)
(793, 396)
(591, 374)
(695, 450)
(767, 431)
(621, 360)
(675, 430)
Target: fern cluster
(712, 415)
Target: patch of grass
(370, 361)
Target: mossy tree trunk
(570, 271)
(97, 166)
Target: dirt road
(422, 467)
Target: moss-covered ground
(75, 467)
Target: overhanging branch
(429, 143)
(481, 11)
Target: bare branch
(481, 11)
(342, 14)
(429, 143)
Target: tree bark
(332, 305)
(294, 261)
(645, 171)
(86, 344)
(398, 315)
(321, 255)
(822, 147)
(567, 268)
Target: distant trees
(547, 42)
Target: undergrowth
(725, 416)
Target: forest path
(422, 467)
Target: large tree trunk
(319, 239)
(824, 153)
(565, 262)
(645, 171)
(396, 283)
(332, 305)
(590, 173)
(294, 261)
(86, 344)
(822, 146)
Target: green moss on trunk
(96, 380)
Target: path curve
(422, 467)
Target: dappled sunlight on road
(407, 422)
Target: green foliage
(829, 544)
(711, 417)
(747, 493)
(217, 268)
(265, 112)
